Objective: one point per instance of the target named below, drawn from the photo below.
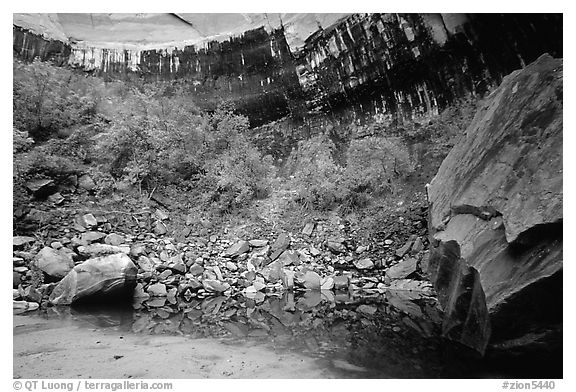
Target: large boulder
(496, 214)
(54, 262)
(101, 276)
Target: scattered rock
(178, 267)
(341, 282)
(56, 245)
(161, 214)
(21, 270)
(326, 283)
(86, 182)
(402, 269)
(24, 306)
(237, 249)
(88, 220)
(336, 246)
(215, 285)
(92, 236)
(366, 310)
(403, 304)
(417, 246)
(40, 187)
(314, 251)
(56, 198)
(280, 245)
(312, 280)
(196, 269)
(31, 294)
(159, 228)
(140, 293)
(273, 272)
(18, 241)
(157, 290)
(410, 289)
(56, 263)
(308, 229)
(114, 239)
(403, 250)
(258, 243)
(289, 257)
(146, 264)
(16, 279)
(363, 264)
(102, 249)
(288, 279)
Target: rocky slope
(158, 259)
(496, 215)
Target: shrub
(373, 163)
(143, 134)
(152, 139)
(47, 99)
(235, 171)
(371, 166)
(317, 179)
(237, 176)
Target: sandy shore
(52, 349)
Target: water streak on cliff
(384, 67)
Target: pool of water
(382, 336)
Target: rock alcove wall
(394, 66)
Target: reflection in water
(391, 335)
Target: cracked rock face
(496, 213)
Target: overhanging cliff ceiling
(153, 31)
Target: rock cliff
(496, 214)
(394, 67)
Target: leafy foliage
(235, 170)
(317, 179)
(145, 136)
(373, 163)
(139, 136)
(371, 166)
(47, 99)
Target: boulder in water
(112, 275)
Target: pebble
(258, 243)
(367, 310)
(363, 264)
(157, 290)
(56, 245)
(89, 220)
